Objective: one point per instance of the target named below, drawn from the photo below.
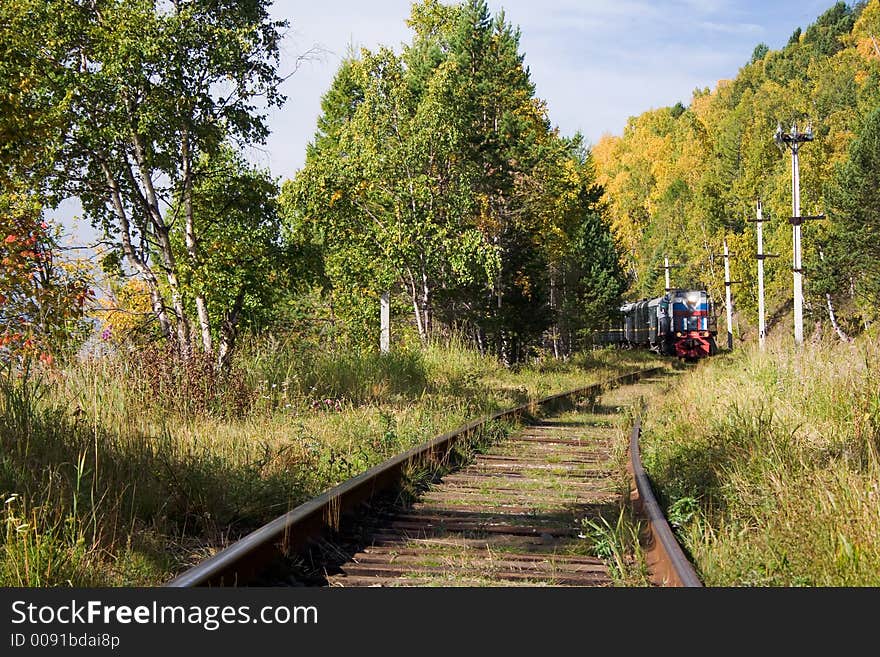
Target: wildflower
(10, 239)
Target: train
(681, 323)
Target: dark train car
(680, 323)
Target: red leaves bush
(42, 303)
(190, 387)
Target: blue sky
(595, 62)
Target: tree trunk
(228, 333)
(840, 332)
(161, 230)
(426, 306)
(417, 311)
(184, 339)
(481, 343)
(156, 300)
(191, 242)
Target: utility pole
(793, 140)
(762, 325)
(385, 320)
(666, 269)
(728, 297)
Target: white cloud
(707, 6)
(732, 28)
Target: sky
(595, 62)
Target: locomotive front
(693, 328)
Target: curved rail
(671, 567)
(244, 559)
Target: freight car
(680, 323)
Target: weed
(767, 463)
(617, 545)
(124, 469)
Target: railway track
(510, 517)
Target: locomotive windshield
(690, 311)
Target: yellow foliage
(866, 27)
(127, 311)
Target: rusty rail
(668, 564)
(244, 559)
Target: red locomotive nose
(693, 346)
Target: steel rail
(243, 560)
(671, 567)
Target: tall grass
(775, 455)
(124, 470)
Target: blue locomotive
(680, 323)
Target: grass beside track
(768, 465)
(125, 471)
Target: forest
(703, 167)
(435, 175)
(214, 359)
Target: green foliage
(824, 36)
(618, 545)
(854, 257)
(436, 173)
(759, 52)
(682, 511)
(135, 97)
(240, 263)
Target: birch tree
(148, 89)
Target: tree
(386, 182)
(149, 90)
(32, 111)
(42, 302)
(760, 52)
(42, 296)
(437, 172)
(824, 36)
(855, 202)
(241, 264)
